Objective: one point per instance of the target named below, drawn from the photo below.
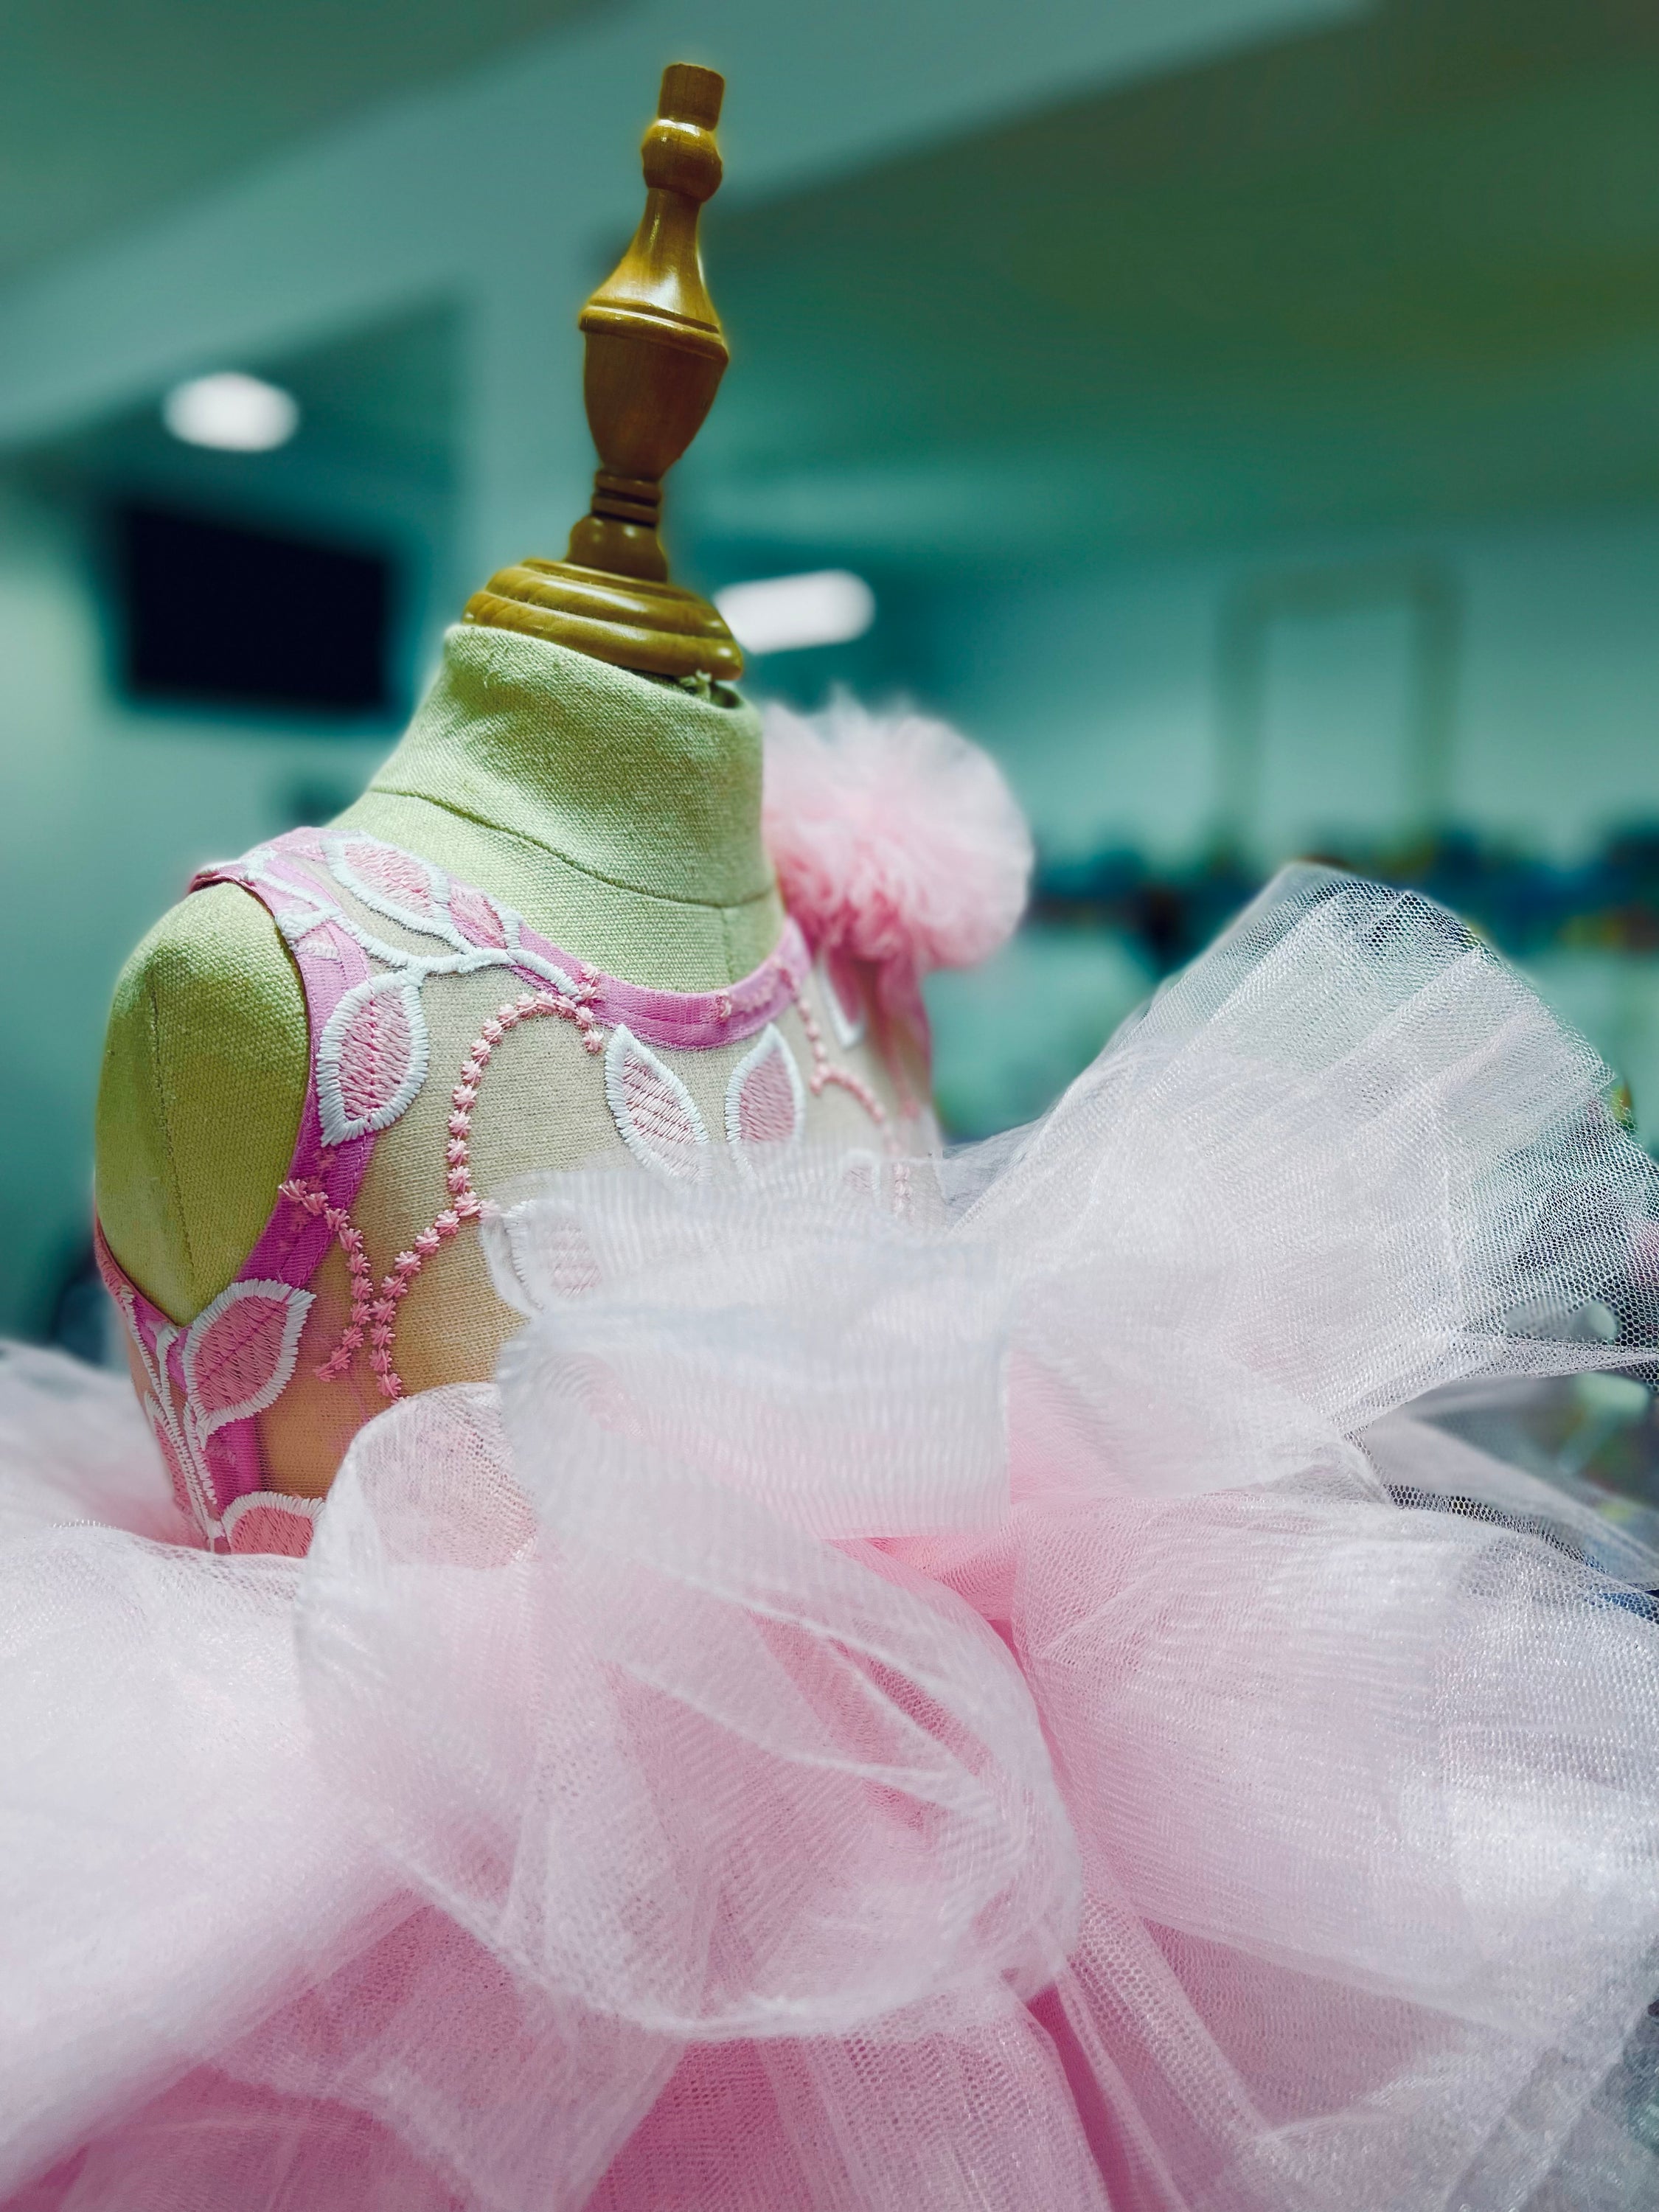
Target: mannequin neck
(619, 815)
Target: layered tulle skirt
(1001, 1683)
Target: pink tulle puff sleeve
(895, 840)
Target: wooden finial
(655, 353)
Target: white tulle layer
(914, 1689)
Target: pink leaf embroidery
(372, 1057)
(571, 1270)
(536, 1256)
(266, 1520)
(176, 1475)
(240, 1353)
(318, 945)
(479, 917)
(656, 1114)
(396, 882)
(765, 1103)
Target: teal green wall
(103, 817)
(1104, 692)
(1106, 696)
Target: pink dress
(920, 1683)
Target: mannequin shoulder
(204, 1073)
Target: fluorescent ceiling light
(235, 414)
(780, 614)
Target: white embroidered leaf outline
(240, 1353)
(418, 894)
(192, 1489)
(483, 919)
(765, 1101)
(847, 1023)
(297, 917)
(371, 1057)
(263, 1513)
(236, 1363)
(656, 1115)
(535, 1254)
(185, 1482)
(400, 885)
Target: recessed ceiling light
(781, 614)
(235, 414)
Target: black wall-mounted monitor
(219, 614)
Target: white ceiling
(111, 108)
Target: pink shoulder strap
(208, 1382)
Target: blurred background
(1240, 415)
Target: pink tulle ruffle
(986, 1684)
(895, 841)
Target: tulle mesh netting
(915, 1687)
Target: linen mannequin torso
(562, 862)
(620, 818)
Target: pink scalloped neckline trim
(689, 1021)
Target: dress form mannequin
(621, 817)
(579, 759)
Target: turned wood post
(654, 355)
